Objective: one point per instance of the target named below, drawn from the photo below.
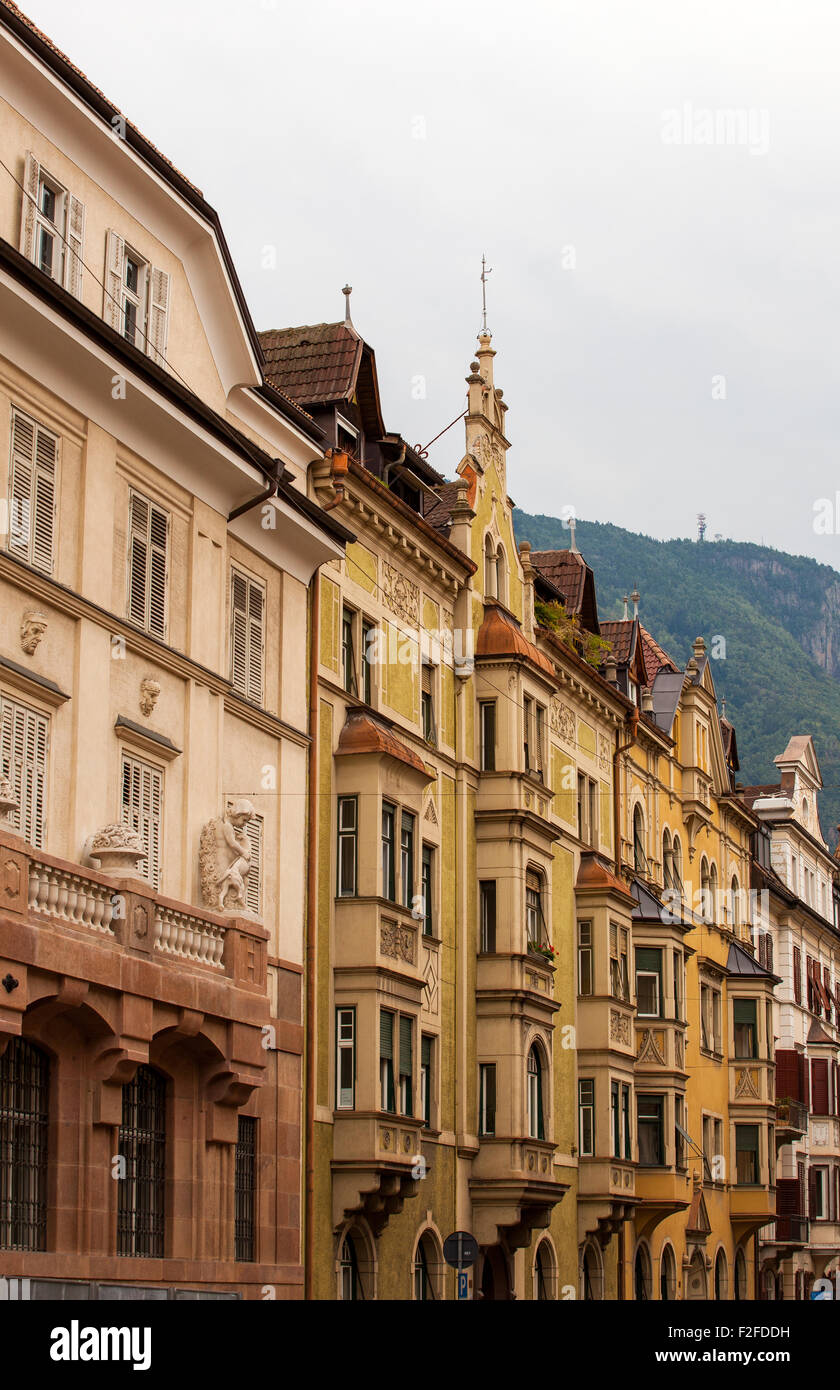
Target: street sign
(460, 1250)
(462, 1280)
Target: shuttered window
(253, 891)
(819, 1087)
(52, 227)
(387, 1099)
(148, 547)
(24, 744)
(32, 492)
(247, 635)
(406, 1066)
(136, 302)
(142, 809)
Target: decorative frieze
(562, 721)
(397, 941)
(400, 594)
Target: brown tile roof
(438, 510)
(656, 658)
(566, 569)
(500, 636)
(751, 794)
(314, 363)
(362, 733)
(619, 634)
(45, 39)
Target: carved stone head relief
(149, 692)
(33, 625)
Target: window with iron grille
(142, 809)
(247, 635)
(32, 492)
(142, 1145)
(148, 547)
(24, 744)
(245, 1190)
(24, 1121)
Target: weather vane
(484, 273)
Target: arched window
(667, 860)
(501, 574)
(734, 903)
(24, 1119)
(545, 1272)
(534, 911)
(677, 867)
(668, 1275)
(355, 1267)
(713, 893)
(721, 1276)
(536, 1124)
(427, 1269)
(490, 571)
(142, 1188)
(740, 1275)
(705, 890)
(639, 857)
(641, 1275)
(591, 1274)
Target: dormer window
(346, 435)
(52, 227)
(136, 302)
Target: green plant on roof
(566, 627)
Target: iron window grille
(24, 1128)
(245, 1190)
(142, 1144)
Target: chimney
(647, 700)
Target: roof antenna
(347, 291)
(484, 273)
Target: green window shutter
(649, 960)
(426, 1052)
(405, 1046)
(744, 1010)
(386, 1035)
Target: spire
(634, 599)
(347, 291)
(625, 601)
(572, 542)
(484, 273)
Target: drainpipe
(632, 724)
(312, 907)
(280, 475)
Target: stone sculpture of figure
(149, 692)
(33, 625)
(225, 858)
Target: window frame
(343, 836)
(427, 886)
(150, 869)
(486, 1099)
(345, 1046)
(388, 866)
(487, 927)
(487, 749)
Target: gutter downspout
(311, 919)
(271, 491)
(631, 723)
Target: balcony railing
(792, 1230)
(792, 1115)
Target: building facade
(155, 565)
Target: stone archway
(696, 1281)
(495, 1281)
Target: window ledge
(31, 683)
(146, 739)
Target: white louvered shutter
(24, 744)
(142, 809)
(147, 564)
(112, 309)
(31, 184)
(32, 492)
(158, 314)
(253, 891)
(75, 246)
(247, 636)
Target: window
(619, 975)
(734, 903)
(136, 301)
(487, 915)
(407, 858)
(148, 544)
(427, 703)
(536, 1125)
(721, 1276)
(32, 492)
(676, 870)
(490, 572)
(620, 1119)
(345, 1059)
(24, 1121)
(539, 739)
(678, 985)
(527, 731)
(746, 1031)
(253, 884)
(346, 435)
(584, 957)
(142, 1143)
(501, 574)
(348, 830)
(533, 735)
(427, 873)
(667, 861)
(797, 974)
(587, 807)
(650, 1115)
(625, 1121)
(427, 1266)
(368, 657)
(819, 1194)
(640, 863)
(487, 722)
(740, 1275)
(586, 1116)
(52, 227)
(387, 1096)
(543, 1273)
(406, 1066)
(245, 1190)
(668, 1275)
(427, 1047)
(534, 917)
(746, 1155)
(24, 744)
(710, 1036)
(388, 852)
(353, 1269)
(679, 1141)
(487, 1098)
(348, 650)
(247, 635)
(642, 1283)
(142, 809)
(648, 983)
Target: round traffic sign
(460, 1250)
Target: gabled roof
(740, 962)
(648, 907)
(621, 635)
(656, 658)
(438, 509)
(730, 747)
(315, 363)
(568, 571)
(800, 750)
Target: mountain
(771, 622)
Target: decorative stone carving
(650, 1047)
(401, 596)
(604, 751)
(149, 693)
(430, 982)
(619, 1027)
(224, 858)
(562, 721)
(8, 805)
(397, 941)
(118, 848)
(33, 625)
(745, 1085)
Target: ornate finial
(625, 601)
(347, 291)
(634, 599)
(723, 707)
(484, 273)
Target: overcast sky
(665, 281)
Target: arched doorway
(695, 1285)
(591, 1274)
(495, 1283)
(641, 1275)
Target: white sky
(543, 129)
